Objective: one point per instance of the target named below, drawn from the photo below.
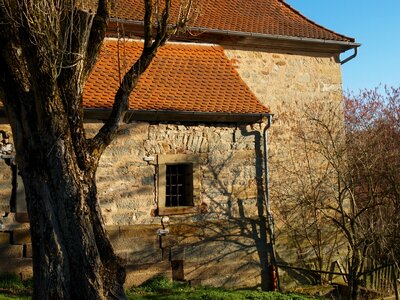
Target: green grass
(162, 288)
(13, 288)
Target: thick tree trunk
(73, 258)
(72, 255)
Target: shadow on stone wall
(229, 245)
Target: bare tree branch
(97, 34)
(129, 82)
(148, 23)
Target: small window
(178, 180)
(179, 185)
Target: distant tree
(311, 184)
(48, 49)
(344, 175)
(299, 197)
(373, 140)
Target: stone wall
(291, 84)
(221, 244)
(297, 87)
(228, 169)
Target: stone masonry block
(177, 253)
(138, 244)
(137, 231)
(113, 233)
(136, 238)
(150, 255)
(234, 274)
(11, 251)
(4, 238)
(22, 266)
(21, 236)
(28, 250)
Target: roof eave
(334, 44)
(102, 114)
(246, 39)
(179, 116)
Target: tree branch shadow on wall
(233, 235)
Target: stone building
(184, 188)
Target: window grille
(179, 185)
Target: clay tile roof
(182, 77)
(274, 17)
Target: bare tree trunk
(354, 289)
(73, 258)
(354, 272)
(72, 255)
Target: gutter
(178, 116)
(233, 33)
(274, 36)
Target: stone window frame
(170, 159)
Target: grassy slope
(163, 288)
(12, 288)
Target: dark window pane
(179, 184)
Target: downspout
(273, 267)
(267, 194)
(342, 62)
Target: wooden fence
(383, 279)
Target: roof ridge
(313, 22)
(259, 17)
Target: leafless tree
(48, 49)
(343, 180)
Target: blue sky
(374, 24)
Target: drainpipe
(342, 62)
(265, 138)
(272, 266)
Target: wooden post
(394, 275)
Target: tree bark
(354, 273)
(72, 255)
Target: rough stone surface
(28, 250)
(21, 236)
(230, 174)
(20, 266)
(5, 180)
(11, 251)
(127, 184)
(295, 86)
(4, 238)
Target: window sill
(179, 210)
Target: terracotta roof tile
(254, 16)
(181, 77)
